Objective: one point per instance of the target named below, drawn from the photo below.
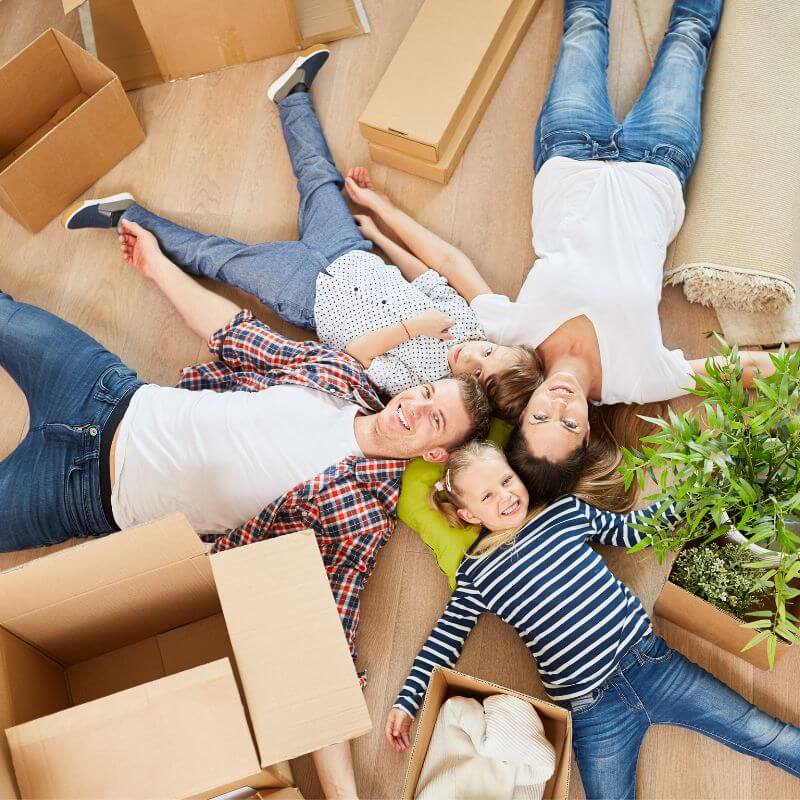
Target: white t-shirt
(359, 293)
(221, 457)
(601, 234)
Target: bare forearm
(753, 362)
(408, 264)
(202, 310)
(376, 343)
(453, 265)
(334, 766)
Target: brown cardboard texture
(447, 683)
(64, 122)
(109, 643)
(428, 124)
(151, 41)
(713, 624)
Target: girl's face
(481, 359)
(492, 495)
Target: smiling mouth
(563, 388)
(457, 353)
(512, 509)
(402, 417)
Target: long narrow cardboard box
(434, 93)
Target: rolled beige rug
(739, 247)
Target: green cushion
(447, 543)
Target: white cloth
(221, 457)
(496, 750)
(360, 293)
(601, 234)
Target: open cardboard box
(138, 666)
(699, 617)
(151, 41)
(432, 96)
(446, 683)
(64, 122)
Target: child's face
(492, 495)
(481, 359)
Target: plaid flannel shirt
(351, 505)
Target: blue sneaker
(300, 74)
(101, 213)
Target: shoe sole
(302, 57)
(70, 213)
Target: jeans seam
(731, 742)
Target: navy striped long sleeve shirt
(574, 616)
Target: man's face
(424, 421)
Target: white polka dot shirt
(359, 293)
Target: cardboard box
(447, 683)
(713, 624)
(64, 122)
(150, 41)
(138, 666)
(431, 98)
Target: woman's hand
(368, 227)
(360, 189)
(431, 323)
(139, 248)
(396, 730)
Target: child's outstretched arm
(372, 344)
(435, 252)
(408, 264)
(607, 527)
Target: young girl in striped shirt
(591, 637)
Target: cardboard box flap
(35, 83)
(169, 738)
(328, 20)
(298, 676)
(433, 70)
(191, 37)
(71, 5)
(101, 595)
(89, 72)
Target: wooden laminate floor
(214, 159)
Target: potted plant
(730, 466)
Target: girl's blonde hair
(445, 497)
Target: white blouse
(359, 293)
(601, 234)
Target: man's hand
(398, 724)
(139, 249)
(360, 189)
(431, 323)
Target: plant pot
(761, 553)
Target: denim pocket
(674, 158)
(73, 500)
(585, 703)
(657, 651)
(565, 138)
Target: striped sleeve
(607, 527)
(444, 645)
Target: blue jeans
(282, 275)
(50, 485)
(663, 127)
(655, 685)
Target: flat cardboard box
(713, 624)
(423, 126)
(151, 41)
(64, 122)
(446, 683)
(191, 675)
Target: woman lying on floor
(591, 638)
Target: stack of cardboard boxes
(433, 94)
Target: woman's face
(492, 495)
(556, 420)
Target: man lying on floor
(274, 436)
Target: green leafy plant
(732, 461)
(720, 575)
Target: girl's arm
(372, 344)
(616, 529)
(753, 361)
(438, 254)
(409, 265)
(443, 647)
